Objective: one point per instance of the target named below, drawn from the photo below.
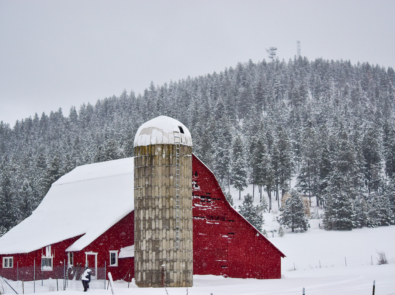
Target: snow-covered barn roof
(160, 130)
(87, 201)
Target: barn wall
(23, 263)
(118, 236)
(225, 243)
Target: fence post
(105, 275)
(57, 285)
(303, 292)
(345, 260)
(42, 276)
(17, 271)
(371, 258)
(374, 287)
(320, 263)
(34, 276)
(23, 288)
(64, 275)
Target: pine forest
(326, 125)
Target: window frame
(45, 267)
(70, 258)
(116, 257)
(8, 258)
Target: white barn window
(113, 258)
(70, 258)
(47, 260)
(46, 264)
(8, 262)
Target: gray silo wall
(154, 217)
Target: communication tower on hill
(299, 53)
(271, 52)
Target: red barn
(87, 219)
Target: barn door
(91, 262)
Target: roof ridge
(88, 179)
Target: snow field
(325, 281)
(315, 260)
(309, 250)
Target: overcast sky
(62, 53)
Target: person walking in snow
(86, 278)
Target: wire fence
(35, 279)
(339, 262)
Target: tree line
(328, 123)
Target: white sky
(62, 53)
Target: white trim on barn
(87, 264)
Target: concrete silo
(163, 204)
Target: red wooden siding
(224, 243)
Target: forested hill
(330, 122)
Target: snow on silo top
(161, 130)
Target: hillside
(329, 123)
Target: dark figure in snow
(86, 278)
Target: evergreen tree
(239, 172)
(8, 206)
(52, 174)
(26, 200)
(386, 215)
(284, 161)
(229, 198)
(339, 213)
(361, 213)
(371, 152)
(112, 151)
(308, 178)
(100, 155)
(292, 213)
(253, 214)
(281, 231)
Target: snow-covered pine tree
(371, 152)
(285, 160)
(239, 172)
(265, 233)
(308, 178)
(52, 174)
(374, 210)
(112, 151)
(340, 192)
(100, 155)
(361, 213)
(223, 152)
(281, 231)
(339, 213)
(292, 213)
(26, 200)
(390, 193)
(386, 214)
(252, 213)
(8, 206)
(389, 149)
(229, 198)
(263, 204)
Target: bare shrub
(382, 258)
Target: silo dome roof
(162, 130)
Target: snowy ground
(324, 281)
(323, 262)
